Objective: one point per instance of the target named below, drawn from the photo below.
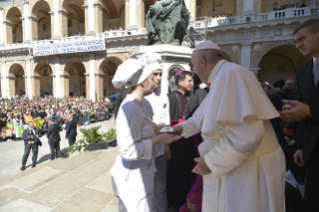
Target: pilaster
(245, 56)
(57, 77)
(98, 13)
(92, 80)
(29, 82)
(57, 23)
(26, 31)
(2, 35)
(133, 11)
(34, 27)
(63, 23)
(4, 80)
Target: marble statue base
(174, 58)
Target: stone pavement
(79, 183)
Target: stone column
(23, 29)
(90, 17)
(92, 80)
(191, 6)
(36, 86)
(140, 16)
(26, 31)
(86, 19)
(29, 81)
(245, 56)
(4, 80)
(133, 8)
(99, 85)
(52, 24)
(127, 14)
(2, 35)
(8, 32)
(248, 8)
(34, 27)
(98, 13)
(63, 23)
(65, 85)
(57, 23)
(57, 77)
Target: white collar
(215, 70)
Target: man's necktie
(316, 71)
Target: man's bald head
(204, 61)
(289, 84)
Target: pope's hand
(201, 168)
(298, 111)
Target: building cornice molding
(32, 18)
(62, 12)
(98, 5)
(8, 23)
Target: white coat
(134, 169)
(160, 105)
(239, 145)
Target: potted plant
(94, 138)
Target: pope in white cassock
(242, 164)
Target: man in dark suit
(53, 135)
(71, 129)
(31, 141)
(306, 37)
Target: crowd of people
(293, 6)
(114, 29)
(17, 111)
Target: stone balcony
(213, 24)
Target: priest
(241, 162)
(179, 176)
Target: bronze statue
(167, 22)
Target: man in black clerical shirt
(182, 103)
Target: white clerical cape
(240, 147)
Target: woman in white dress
(134, 169)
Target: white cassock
(240, 147)
(134, 169)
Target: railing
(200, 24)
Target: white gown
(134, 169)
(239, 145)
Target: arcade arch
(16, 80)
(73, 17)
(74, 79)
(13, 26)
(280, 63)
(41, 21)
(43, 82)
(107, 71)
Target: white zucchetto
(207, 45)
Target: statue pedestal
(174, 58)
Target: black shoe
(34, 165)
(22, 168)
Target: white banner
(65, 48)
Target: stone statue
(167, 22)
